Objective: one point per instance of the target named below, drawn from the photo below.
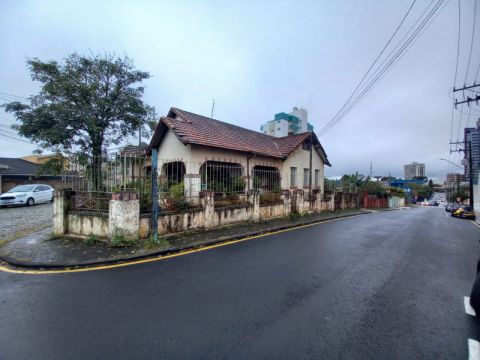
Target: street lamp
(452, 163)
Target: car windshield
(22, 188)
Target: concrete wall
(174, 223)
(272, 211)
(88, 224)
(124, 216)
(396, 202)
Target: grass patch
(91, 240)
(150, 243)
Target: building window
(293, 176)
(278, 129)
(317, 177)
(306, 175)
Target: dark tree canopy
(85, 104)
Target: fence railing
(110, 172)
(267, 181)
(90, 201)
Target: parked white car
(27, 195)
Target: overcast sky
(257, 58)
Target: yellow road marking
(158, 258)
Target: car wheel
(51, 200)
(30, 202)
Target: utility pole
(458, 185)
(469, 99)
(470, 172)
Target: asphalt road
(380, 286)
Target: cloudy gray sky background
(260, 58)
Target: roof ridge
(225, 123)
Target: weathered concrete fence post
(60, 207)
(254, 199)
(287, 204)
(208, 209)
(124, 216)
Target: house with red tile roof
(204, 153)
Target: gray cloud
(259, 58)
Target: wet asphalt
(388, 285)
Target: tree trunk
(97, 168)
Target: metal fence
(267, 181)
(90, 201)
(181, 184)
(111, 172)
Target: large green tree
(85, 105)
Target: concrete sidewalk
(39, 251)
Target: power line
(471, 40)
(375, 61)
(12, 95)
(14, 138)
(382, 69)
(398, 55)
(456, 69)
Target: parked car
(27, 195)
(475, 293)
(465, 212)
(452, 207)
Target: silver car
(27, 195)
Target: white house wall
(193, 156)
(172, 149)
(301, 160)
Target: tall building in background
(472, 135)
(453, 179)
(284, 124)
(414, 170)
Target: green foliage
(53, 166)
(423, 191)
(351, 183)
(86, 103)
(177, 191)
(463, 193)
(91, 240)
(119, 240)
(330, 185)
(238, 184)
(373, 188)
(395, 191)
(161, 242)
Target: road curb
(12, 262)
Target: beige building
(414, 170)
(207, 154)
